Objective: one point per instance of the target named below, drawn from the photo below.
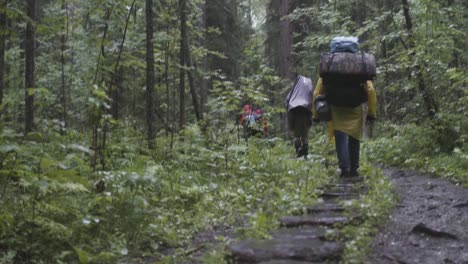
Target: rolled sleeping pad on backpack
(354, 65)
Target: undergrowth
(55, 209)
(422, 149)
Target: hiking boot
(305, 148)
(297, 144)
(302, 152)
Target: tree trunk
(279, 41)
(29, 65)
(3, 26)
(166, 81)
(114, 91)
(150, 75)
(429, 102)
(188, 60)
(204, 60)
(103, 39)
(285, 52)
(183, 23)
(63, 98)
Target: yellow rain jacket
(346, 119)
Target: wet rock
(352, 179)
(339, 195)
(325, 207)
(430, 226)
(461, 204)
(394, 258)
(253, 251)
(463, 259)
(294, 221)
(287, 262)
(301, 233)
(422, 228)
(340, 185)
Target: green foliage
(57, 208)
(374, 208)
(415, 147)
(148, 201)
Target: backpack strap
(330, 61)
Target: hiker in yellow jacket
(346, 128)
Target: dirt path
(429, 224)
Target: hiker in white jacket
(299, 106)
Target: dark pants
(347, 150)
(299, 122)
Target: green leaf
(81, 148)
(82, 255)
(9, 148)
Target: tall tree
(182, 57)
(430, 103)
(279, 37)
(188, 62)
(63, 46)
(30, 47)
(225, 41)
(3, 26)
(150, 75)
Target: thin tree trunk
(204, 60)
(285, 41)
(150, 75)
(70, 16)
(3, 35)
(97, 146)
(103, 39)
(62, 55)
(114, 95)
(183, 22)
(166, 80)
(249, 13)
(187, 58)
(429, 102)
(30, 65)
(114, 110)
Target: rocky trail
(428, 225)
(310, 238)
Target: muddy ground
(429, 224)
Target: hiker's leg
(354, 148)
(293, 124)
(304, 123)
(307, 123)
(342, 151)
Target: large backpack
(300, 94)
(344, 75)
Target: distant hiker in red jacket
(253, 122)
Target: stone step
(312, 220)
(294, 262)
(339, 195)
(345, 188)
(354, 180)
(324, 207)
(309, 232)
(311, 250)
